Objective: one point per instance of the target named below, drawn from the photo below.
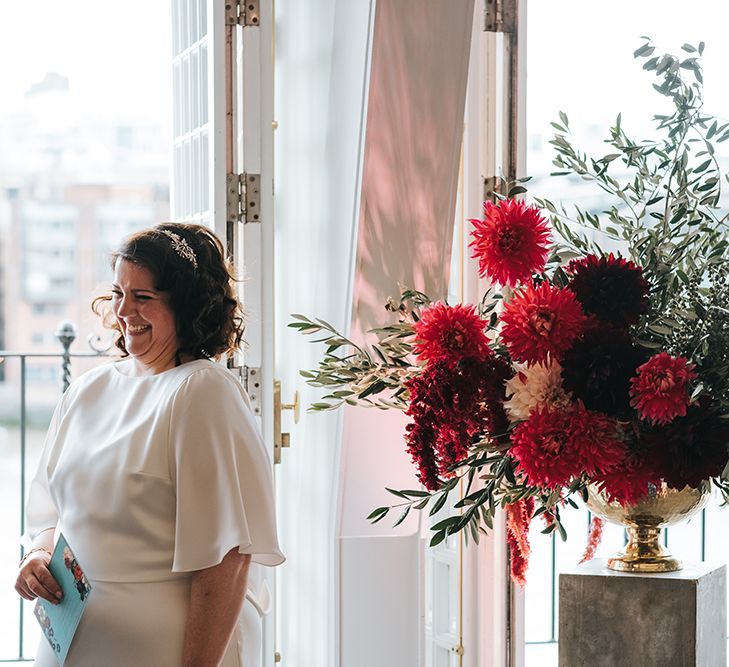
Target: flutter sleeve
(221, 474)
(40, 512)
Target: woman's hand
(35, 579)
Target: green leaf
(438, 505)
(446, 523)
(437, 538)
(397, 493)
(378, 514)
(402, 517)
(644, 50)
(416, 493)
(562, 531)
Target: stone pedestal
(612, 619)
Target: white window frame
(494, 144)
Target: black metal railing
(66, 335)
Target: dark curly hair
(208, 315)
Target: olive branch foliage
(665, 217)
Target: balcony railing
(703, 538)
(66, 335)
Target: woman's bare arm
(34, 579)
(216, 598)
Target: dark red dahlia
(511, 242)
(541, 323)
(629, 481)
(690, 449)
(599, 366)
(450, 333)
(449, 405)
(660, 389)
(554, 446)
(611, 288)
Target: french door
(222, 177)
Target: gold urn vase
(644, 521)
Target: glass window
(580, 61)
(85, 141)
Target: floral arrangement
(580, 366)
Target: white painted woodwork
(493, 608)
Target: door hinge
(243, 12)
(243, 197)
(250, 377)
(500, 15)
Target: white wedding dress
(149, 479)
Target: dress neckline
(117, 370)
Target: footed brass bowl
(662, 506)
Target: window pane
(580, 61)
(85, 143)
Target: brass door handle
(280, 439)
(295, 406)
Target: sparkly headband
(181, 247)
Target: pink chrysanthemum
(511, 242)
(554, 446)
(450, 333)
(659, 392)
(540, 323)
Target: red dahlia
(511, 242)
(598, 367)
(612, 289)
(659, 392)
(554, 446)
(541, 322)
(450, 333)
(691, 449)
(627, 483)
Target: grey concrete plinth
(612, 619)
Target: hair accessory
(180, 246)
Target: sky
(580, 56)
(117, 55)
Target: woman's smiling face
(144, 316)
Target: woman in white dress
(155, 473)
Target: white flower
(535, 386)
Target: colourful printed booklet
(59, 622)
